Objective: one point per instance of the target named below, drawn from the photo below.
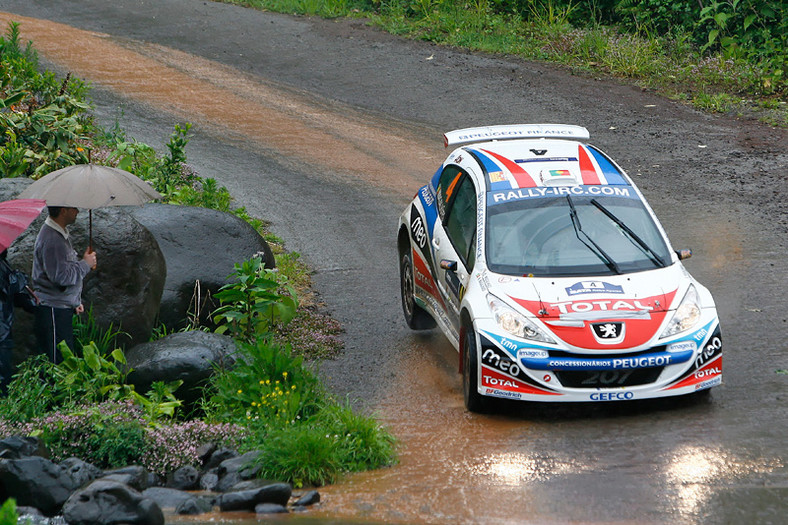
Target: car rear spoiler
(514, 131)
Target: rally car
(542, 263)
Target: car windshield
(573, 235)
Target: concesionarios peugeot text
(542, 263)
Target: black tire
(416, 317)
(474, 401)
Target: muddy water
(709, 461)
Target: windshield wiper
(632, 235)
(596, 250)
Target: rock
(104, 501)
(310, 498)
(81, 472)
(250, 484)
(184, 478)
(28, 512)
(218, 456)
(188, 356)
(205, 451)
(15, 447)
(167, 498)
(278, 493)
(234, 470)
(269, 508)
(35, 482)
(194, 506)
(199, 245)
(209, 480)
(134, 476)
(125, 289)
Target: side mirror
(684, 254)
(448, 265)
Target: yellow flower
(240, 391)
(284, 374)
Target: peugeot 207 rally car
(542, 263)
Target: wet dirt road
(328, 128)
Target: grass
(668, 64)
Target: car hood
(570, 307)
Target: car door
(454, 238)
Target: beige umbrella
(90, 186)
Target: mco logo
(612, 396)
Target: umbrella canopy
(15, 217)
(91, 186)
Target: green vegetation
(270, 400)
(722, 56)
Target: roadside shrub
(30, 393)
(320, 450)
(260, 300)
(268, 388)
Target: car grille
(607, 378)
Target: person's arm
(61, 264)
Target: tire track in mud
(282, 121)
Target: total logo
(611, 396)
(601, 306)
(494, 381)
(707, 372)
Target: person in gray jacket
(57, 280)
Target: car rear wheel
(416, 317)
(474, 401)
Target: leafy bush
(319, 451)
(109, 434)
(91, 378)
(30, 393)
(267, 388)
(44, 121)
(260, 300)
(8, 514)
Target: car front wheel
(416, 317)
(474, 401)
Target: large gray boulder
(104, 501)
(201, 247)
(125, 289)
(35, 482)
(188, 356)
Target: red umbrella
(15, 217)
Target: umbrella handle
(33, 295)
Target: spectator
(13, 292)
(57, 279)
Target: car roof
(550, 155)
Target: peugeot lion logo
(608, 332)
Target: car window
(447, 187)
(461, 220)
(537, 237)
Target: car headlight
(514, 322)
(687, 314)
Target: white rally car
(540, 260)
